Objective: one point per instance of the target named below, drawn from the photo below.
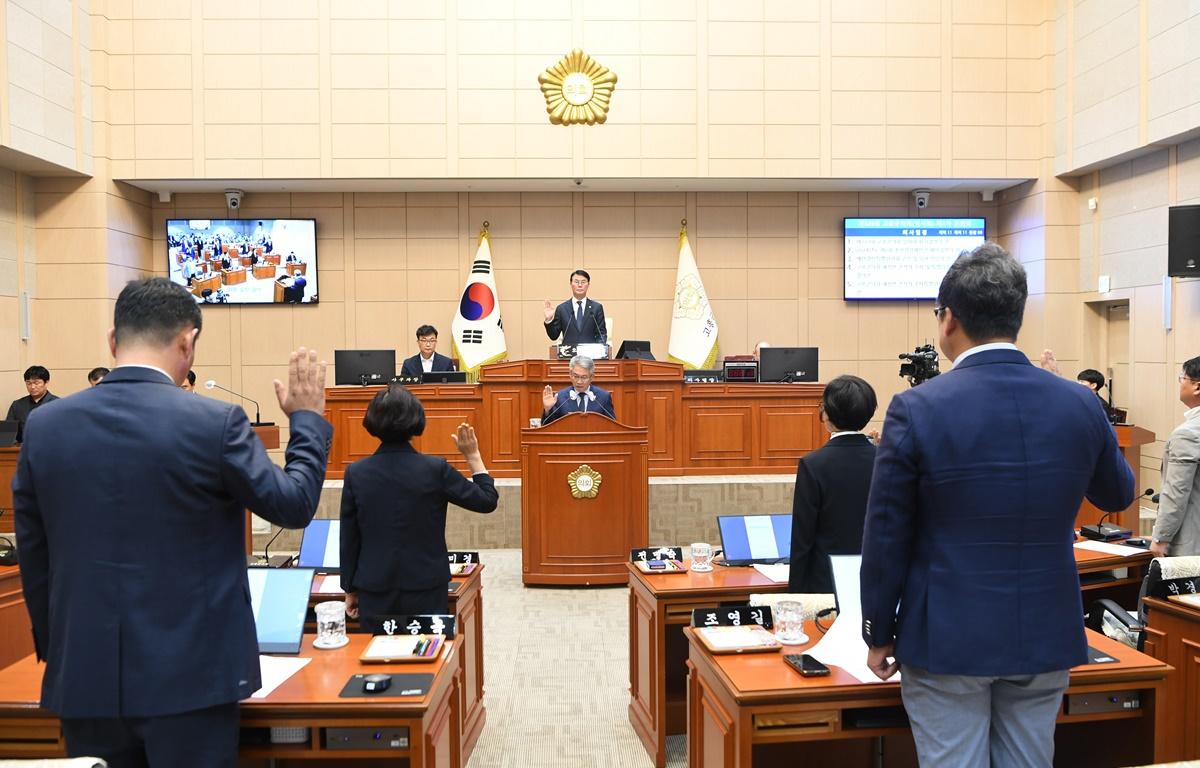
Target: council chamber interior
(340, 175)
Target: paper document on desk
(776, 572)
(1109, 548)
(275, 672)
(329, 585)
(842, 646)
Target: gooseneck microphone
(558, 404)
(258, 422)
(600, 335)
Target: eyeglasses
(938, 310)
(428, 340)
(1183, 376)
(580, 376)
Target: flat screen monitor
(845, 583)
(904, 258)
(444, 377)
(363, 366)
(279, 597)
(321, 547)
(244, 261)
(8, 433)
(747, 539)
(788, 364)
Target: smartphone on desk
(806, 665)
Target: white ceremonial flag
(478, 330)
(693, 325)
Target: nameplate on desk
(463, 557)
(733, 616)
(657, 553)
(423, 624)
(406, 380)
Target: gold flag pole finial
(683, 227)
(484, 232)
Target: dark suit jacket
(130, 502)
(563, 404)
(593, 331)
(828, 510)
(970, 521)
(394, 518)
(412, 365)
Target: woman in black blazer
(393, 547)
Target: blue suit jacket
(130, 503)
(593, 331)
(970, 521)
(563, 404)
(412, 365)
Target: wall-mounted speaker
(1183, 241)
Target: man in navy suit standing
(427, 360)
(969, 530)
(578, 320)
(130, 502)
(581, 397)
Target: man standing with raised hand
(969, 584)
(578, 320)
(130, 502)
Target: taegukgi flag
(693, 325)
(478, 330)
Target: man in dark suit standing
(832, 482)
(581, 397)
(427, 360)
(130, 508)
(578, 320)
(970, 528)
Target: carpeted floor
(556, 675)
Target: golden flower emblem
(584, 482)
(577, 90)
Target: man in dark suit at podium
(968, 574)
(578, 320)
(427, 360)
(580, 397)
(130, 502)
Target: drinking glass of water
(789, 622)
(331, 625)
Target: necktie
(579, 315)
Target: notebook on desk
(750, 539)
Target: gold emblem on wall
(577, 90)
(584, 482)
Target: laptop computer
(279, 597)
(8, 433)
(749, 539)
(320, 547)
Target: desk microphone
(258, 422)
(600, 334)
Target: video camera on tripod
(920, 365)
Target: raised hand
(305, 390)
(465, 440)
(548, 309)
(548, 398)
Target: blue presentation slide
(763, 538)
(904, 258)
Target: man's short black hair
(96, 374)
(985, 289)
(154, 310)
(1191, 369)
(582, 274)
(395, 415)
(191, 377)
(849, 403)
(426, 330)
(37, 372)
(1093, 377)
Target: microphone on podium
(258, 422)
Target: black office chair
(1166, 576)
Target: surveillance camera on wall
(922, 197)
(233, 198)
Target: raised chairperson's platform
(694, 429)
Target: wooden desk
(233, 276)
(307, 699)
(752, 709)
(271, 258)
(16, 633)
(466, 603)
(8, 468)
(1173, 636)
(694, 429)
(1130, 439)
(199, 284)
(1122, 589)
(660, 606)
(264, 271)
(292, 267)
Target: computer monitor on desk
(321, 546)
(749, 539)
(363, 366)
(279, 599)
(787, 364)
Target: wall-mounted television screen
(904, 258)
(244, 261)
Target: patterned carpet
(556, 675)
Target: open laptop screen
(279, 597)
(750, 539)
(321, 546)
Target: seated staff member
(832, 483)
(427, 360)
(96, 375)
(37, 377)
(579, 320)
(393, 546)
(581, 396)
(1088, 377)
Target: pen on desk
(678, 565)
(420, 649)
(434, 644)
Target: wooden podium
(1130, 439)
(8, 468)
(567, 535)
